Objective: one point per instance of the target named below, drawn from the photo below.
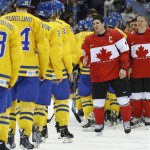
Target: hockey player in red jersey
(133, 24)
(139, 43)
(107, 52)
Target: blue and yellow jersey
(11, 55)
(55, 67)
(67, 55)
(76, 53)
(33, 43)
(80, 37)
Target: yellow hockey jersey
(11, 55)
(34, 45)
(67, 54)
(80, 37)
(76, 53)
(55, 67)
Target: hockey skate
(57, 127)
(136, 122)
(81, 114)
(24, 141)
(119, 118)
(3, 146)
(58, 130)
(147, 122)
(114, 119)
(99, 129)
(66, 135)
(11, 139)
(36, 136)
(127, 127)
(44, 133)
(89, 125)
(108, 117)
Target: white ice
(112, 139)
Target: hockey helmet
(119, 18)
(23, 3)
(112, 22)
(82, 26)
(58, 7)
(89, 23)
(44, 9)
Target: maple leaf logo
(103, 55)
(141, 52)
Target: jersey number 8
(3, 37)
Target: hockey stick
(49, 120)
(74, 110)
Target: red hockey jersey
(108, 54)
(140, 54)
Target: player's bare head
(144, 18)
(98, 24)
(142, 22)
(133, 24)
(98, 17)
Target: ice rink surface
(112, 139)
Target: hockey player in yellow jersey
(11, 57)
(36, 58)
(53, 72)
(61, 91)
(76, 53)
(84, 85)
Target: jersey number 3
(25, 42)
(3, 37)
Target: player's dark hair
(98, 17)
